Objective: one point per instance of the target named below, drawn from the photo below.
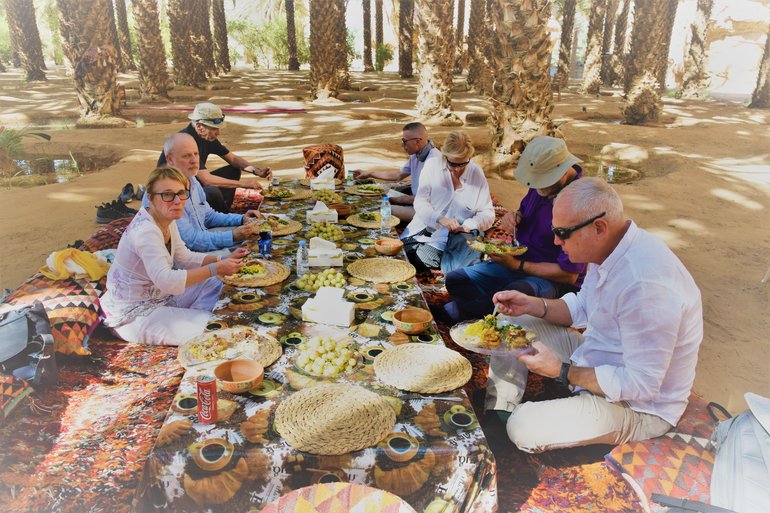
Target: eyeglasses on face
(457, 165)
(169, 196)
(566, 233)
(404, 141)
(216, 121)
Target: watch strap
(563, 379)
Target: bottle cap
(302, 243)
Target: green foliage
(382, 56)
(5, 39)
(11, 139)
(350, 47)
(49, 12)
(266, 46)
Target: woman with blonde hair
(452, 205)
(158, 291)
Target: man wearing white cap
(206, 121)
(544, 270)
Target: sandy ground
(705, 188)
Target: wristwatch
(563, 379)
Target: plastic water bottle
(385, 216)
(303, 259)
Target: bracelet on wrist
(213, 269)
(545, 307)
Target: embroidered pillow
(319, 156)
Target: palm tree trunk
(342, 49)
(642, 86)
(405, 38)
(378, 21)
(696, 80)
(203, 41)
(462, 56)
(609, 28)
(670, 16)
(153, 75)
(522, 100)
(437, 52)
(760, 99)
(221, 49)
(188, 64)
(325, 74)
(291, 36)
(124, 37)
(89, 48)
(565, 46)
(621, 48)
(367, 7)
(593, 64)
(113, 29)
(481, 29)
(23, 30)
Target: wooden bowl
(343, 209)
(238, 376)
(388, 246)
(412, 320)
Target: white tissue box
(330, 216)
(322, 185)
(328, 307)
(325, 258)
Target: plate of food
(366, 190)
(370, 220)
(493, 336)
(496, 247)
(227, 344)
(328, 357)
(258, 273)
(277, 225)
(283, 193)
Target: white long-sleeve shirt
(470, 204)
(144, 274)
(644, 324)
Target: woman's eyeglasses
(169, 196)
(216, 121)
(566, 233)
(457, 165)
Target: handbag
(27, 346)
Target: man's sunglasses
(169, 196)
(216, 121)
(566, 233)
(404, 141)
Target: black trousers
(221, 198)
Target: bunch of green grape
(327, 278)
(325, 356)
(327, 196)
(328, 231)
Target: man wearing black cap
(206, 121)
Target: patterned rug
(82, 445)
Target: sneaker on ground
(139, 194)
(107, 213)
(127, 193)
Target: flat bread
(258, 273)
(230, 343)
(495, 247)
(366, 190)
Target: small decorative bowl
(412, 320)
(388, 246)
(238, 376)
(343, 209)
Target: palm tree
(113, 29)
(609, 28)
(760, 99)
(189, 67)
(619, 54)
(696, 80)
(203, 41)
(124, 37)
(367, 7)
(378, 20)
(565, 46)
(342, 50)
(23, 28)
(291, 36)
(460, 38)
(522, 100)
(221, 50)
(662, 50)
(89, 48)
(405, 38)
(325, 73)
(593, 63)
(642, 87)
(153, 74)
(477, 40)
(437, 53)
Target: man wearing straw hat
(546, 167)
(206, 122)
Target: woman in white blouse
(158, 291)
(453, 198)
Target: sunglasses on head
(215, 121)
(566, 233)
(168, 196)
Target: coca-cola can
(207, 399)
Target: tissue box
(326, 258)
(329, 216)
(328, 307)
(322, 185)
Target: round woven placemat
(354, 189)
(299, 194)
(306, 182)
(264, 349)
(275, 273)
(381, 270)
(355, 220)
(422, 368)
(279, 229)
(334, 419)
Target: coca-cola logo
(205, 402)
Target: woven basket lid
(422, 368)
(334, 418)
(381, 270)
(355, 220)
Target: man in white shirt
(633, 367)
(414, 139)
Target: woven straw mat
(306, 182)
(422, 368)
(275, 273)
(353, 189)
(355, 220)
(381, 270)
(333, 418)
(264, 349)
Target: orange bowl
(238, 376)
(412, 320)
(388, 246)
(343, 209)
